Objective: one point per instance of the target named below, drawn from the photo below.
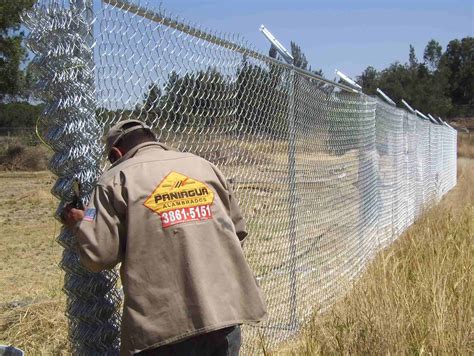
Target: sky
(348, 35)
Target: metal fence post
(292, 201)
(292, 193)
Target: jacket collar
(139, 147)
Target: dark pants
(223, 342)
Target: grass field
(466, 145)
(31, 302)
(416, 297)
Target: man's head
(124, 136)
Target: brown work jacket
(172, 221)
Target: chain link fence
(325, 176)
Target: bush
(19, 114)
(15, 151)
(466, 145)
(19, 157)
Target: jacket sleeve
(237, 217)
(233, 207)
(101, 234)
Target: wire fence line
(325, 176)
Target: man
(172, 221)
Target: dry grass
(37, 329)
(466, 145)
(416, 297)
(28, 249)
(463, 123)
(19, 157)
(31, 302)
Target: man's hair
(134, 138)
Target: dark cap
(117, 131)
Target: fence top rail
(162, 19)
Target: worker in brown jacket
(172, 221)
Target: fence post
(292, 201)
(292, 193)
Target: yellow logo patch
(175, 199)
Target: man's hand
(71, 215)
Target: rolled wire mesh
(60, 37)
(325, 177)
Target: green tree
(443, 84)
(318, 72)
(299, 58)
(19, 114)
(412, 60)
(396, 81)
(421, 88)
(428, 91)
(151, 104)
(152, 97)
(194, 100)
(369, 80)
(432, 55)
(211, 98)
(12, 53)
(457, 63)
(272, 52)
(421, 84)
(262, 99)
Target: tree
(19, 114)
(262, 99)
(272, 52)
(318, 72)
(457, 63)
(428, 91)
(194, 100)
(299, 58)
(432, 55)
(12, 53)
(440, 85)
(151, 104)
(211, 98)
(421, 88)
(396, 81)
(152, 97)
(369, 80)
(412, 60)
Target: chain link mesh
(325, 177)
(61, 39)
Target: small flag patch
(89, 215)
